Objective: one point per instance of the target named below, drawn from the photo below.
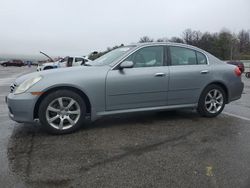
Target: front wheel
(62, 112)
(212, 101)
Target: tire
(5, 65)
(212, 101)
(247, 74)
(63, 119)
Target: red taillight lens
(237, 71)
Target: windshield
(110, 57)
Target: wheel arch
(222, 85)
(71, 88)
(48, 67)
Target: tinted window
(201, 58)
(182, 56)
(78, 59)
(147, 57)
(64, 59)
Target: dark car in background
(238, 64)
(17, 63)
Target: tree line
(224, 44)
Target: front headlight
(24, 86)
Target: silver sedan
(140, 77)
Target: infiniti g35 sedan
(140, 77)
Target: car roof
(138, 45)
(164, 43)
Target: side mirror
(126, 64)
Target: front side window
(147, 57)
(182, 56)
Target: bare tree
(196, 37)
(160, 40)
(244, 41)
(176, 39)
(145, 39)
(188, 36)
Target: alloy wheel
(214, 101)
(63, 113)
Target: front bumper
(21, 107)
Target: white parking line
(237, 116)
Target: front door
(144, 85)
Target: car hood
(57, 73)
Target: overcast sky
(77, 27)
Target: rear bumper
(21, 107)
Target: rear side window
(182, 56)
(201, 58)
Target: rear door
(144, 85)
(189, 74)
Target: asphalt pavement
(163, 149)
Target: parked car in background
(17, 63)
(238, 64)
(68, 61)
(134, 78)
(35, 63)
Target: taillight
(237, 71)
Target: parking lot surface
(164, 149)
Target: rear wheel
(212, 101)
(62, 112)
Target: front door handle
(204, 71)
(160, 74)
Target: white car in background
(68, 61)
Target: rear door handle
(160, 74)
(204, 71)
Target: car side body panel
(137, 88)
(94, 89)
(186, 83)
(111, 92)
(224, 74)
